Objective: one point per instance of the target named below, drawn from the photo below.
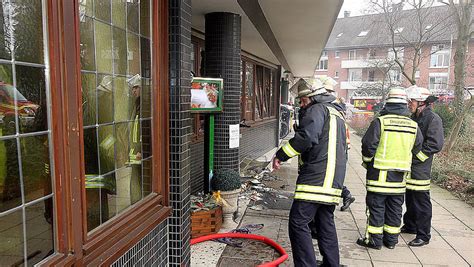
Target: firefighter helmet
(397, 95)
(418, 93)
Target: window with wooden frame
(259, 91)
(83, 175)
(197, 48)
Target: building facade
(99, 150)
(359, 54)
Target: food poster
(206, 95)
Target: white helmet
(418, 93)
(310, 87)
(328, 82)
(135, 80)
(397, 95)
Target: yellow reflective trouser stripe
(386, 184)
(331, 165)
(391, 229)
(367, 159)
(318, 189)
(289, 150)
(317, 197)
(385, 190)
(418, 187)
(374, 229)
(422, 156)
(418, 182)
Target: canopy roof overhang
(287, 33)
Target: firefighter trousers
(417, 218)
(384, 218)
(301, 214)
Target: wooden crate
(206, 222)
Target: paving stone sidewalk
(452, 242)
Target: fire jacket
(320, 141)
(431, 127)
(387, 149)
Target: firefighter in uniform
(417, 218)
(320, 141)
(387, 149)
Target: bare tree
(407, 45)
(462, 13)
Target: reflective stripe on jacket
(320, 143)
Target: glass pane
(91, 156)
(7, 107)
(115, 98)
(119, 14)
(146, 138)
(6, 75)
(5, 51)
(39, 231)
(133, 54)
(87, 48)
(102, 10)
(36, 167)
(147, 177)
(85, 8)
(146, 98)
(89, 99)
(106, 149)
(31, 99)
(27, 30)
(145, 18)
(145, 57)
(9, 173)
(97, 207)
(103, 39)
(11, 234)
(122, 99)
(136, 183)
(120, 51)
(105, 99)
(122, 137)
(132, 15)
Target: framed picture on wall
(207, 95)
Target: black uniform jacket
(371, 139)
(311, 140)
(431, 127)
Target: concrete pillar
(222, 60)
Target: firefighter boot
(347, 201)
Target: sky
(355, 6)
(359, 7)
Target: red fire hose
(264, 239)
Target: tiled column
(223, 61)
(180, 130)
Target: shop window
(258, 91)
(26, 195)
(248, 91)
(116, 102)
